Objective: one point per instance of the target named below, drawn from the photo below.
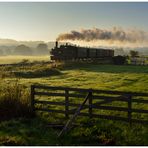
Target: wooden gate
(130, 107)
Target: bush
(40, 72)
(119, 60)
(14, 102)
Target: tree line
(41, 49)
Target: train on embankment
(72, 52)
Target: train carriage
(92, 53)
(81, 52)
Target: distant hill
(8, 42)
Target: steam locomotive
(71, 52)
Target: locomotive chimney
(56, 44)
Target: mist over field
(10, 59)
(10, 47)
(24, 48)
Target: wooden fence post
(66, 103)
(32, 97)
(90, 104)
(130, 109)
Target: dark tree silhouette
(134, 53)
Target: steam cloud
(113, 35)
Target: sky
(46, 20)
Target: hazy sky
(45, 21)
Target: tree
(134, 53)
(22, 50)
(42, 49)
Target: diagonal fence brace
(70, 121)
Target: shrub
(39, 72)
(14, 102)
(5, 73)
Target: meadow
(16, 59)
(29, 130)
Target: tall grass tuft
(14, 102)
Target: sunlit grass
(98, 77)
(16, 59)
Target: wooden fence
(97, 100)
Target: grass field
(16, 59)
(35, 131)
(108, 77)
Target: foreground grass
(26, 132)
(36, 131)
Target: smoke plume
(115, 34)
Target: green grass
(26, 132)
(108, 77)
(102, 132)
(36, 132)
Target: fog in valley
(25, 48)
(9, 47)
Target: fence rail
(98, 100)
